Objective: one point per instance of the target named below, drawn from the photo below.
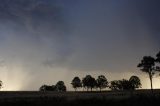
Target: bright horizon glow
(19, 85)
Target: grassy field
(107, 98)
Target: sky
(44, 41)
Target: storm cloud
(52, 40)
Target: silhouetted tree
(42, 88)
(120, 85)
(125, 84)
(147, 65)
(47, 88)
(114, 85)
(85, 82)
(60, 86)
(102, 82)
(76, 83)
(89, 82)
(1, 84)
(135, 82)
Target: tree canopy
(135, 82)
(147, 65)
(89, 82)
(61, 86)
(76, 83)
(102, 82)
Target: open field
(78, 94)
(110, 98)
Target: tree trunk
(150, 77)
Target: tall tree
(76, 83)
(147, 65)
(102, 82)
(135, 82)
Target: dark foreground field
(110, 98)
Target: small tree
(135, 82)
(125, 84)
(60, 86)
(89, 82)
(76, 83)
(85, 82)
(1, 84)
(114, 85)
(47, 88)
(42, 88)
(93, 83)
(102, 82)
(147, 65)
(120, 85)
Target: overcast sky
(44, 41)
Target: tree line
(90, 83)
(101, 82)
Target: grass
(114, 98)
